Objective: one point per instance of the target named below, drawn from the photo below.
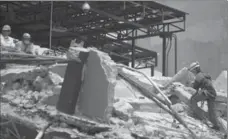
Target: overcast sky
(204, 22)
(204, 35)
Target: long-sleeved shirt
(6, 42)
(204, 82)
(25, 48)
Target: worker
(26, 45)
(204, 92)
(5, 40)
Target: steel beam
(163, 55)
(175, 54)
(113, 16)
(133, 51)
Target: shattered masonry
(30, 95)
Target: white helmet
(85, 7)
(6, 27)
(193, 66)
(26, 36)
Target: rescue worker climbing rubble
(26, 45)
(204, 92)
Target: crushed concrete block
(122, 110)
(73, 52)
(97, 93)
(41, 83)
(220, 83)
(55, 78)
(59, 69)
(161, 80)
(116, 121)
(53, 98)
(139, 79)
(184, 77)
(16, 86)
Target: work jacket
(25, 48)
(6, 42)
(203, 81)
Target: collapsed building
(90, 91)
(85, 104)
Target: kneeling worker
(25, 45)
(204, 91)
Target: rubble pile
(29, 96)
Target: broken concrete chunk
(55, 78)
(116, 121)
(183, 76)
(41, 83)
(73, 52)
(59, 69)
(138, 78)
(122, 110)
(53, 98)
(220, 83)
(97, 93)
(16, 86)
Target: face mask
(5, 33)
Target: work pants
(201, 96)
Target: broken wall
(97, 94)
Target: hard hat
(6, 28)
(26, 36)
(194, 65)
(85, 7)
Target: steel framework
(111, 26)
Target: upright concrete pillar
(97, 95)
(71, 85)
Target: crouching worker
(204, 91)
(26, 45)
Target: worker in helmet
(204, 91)
(26, 45)
(5, 40)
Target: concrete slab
(97, 94)
(72, 85)
(220, 83)
(183, 76)
(59, 69)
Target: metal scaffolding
(111, 26)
